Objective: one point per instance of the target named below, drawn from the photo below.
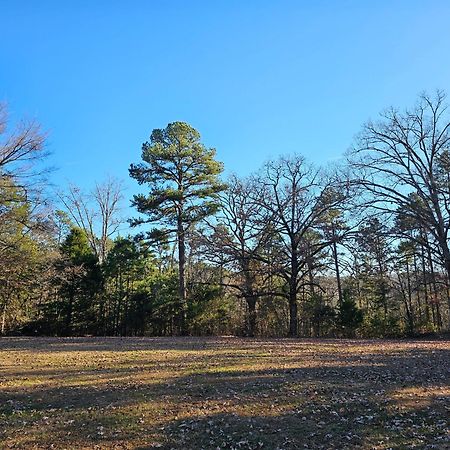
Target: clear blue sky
(256, 78)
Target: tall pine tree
(183, 179)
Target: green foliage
(349, 316)
(375, 325)
(319, 314)
(182, 176)
(160, 291)
(76, 247)
(125, 268)
(79, 284)
(23, 257)
(210, 312)
(126, 257)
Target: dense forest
(358, 248)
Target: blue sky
(256, 78)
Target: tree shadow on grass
(124, 344)
(340, 402)
(378, 428)
(102, 344)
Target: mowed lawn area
(223, 393)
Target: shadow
(230, 393)
(179, 343)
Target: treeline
(358, 249)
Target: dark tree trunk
(250, 297)
(251, 320)
(3, 324)
(408, 301)
(293, 307)
(182, 277)
(416, 275)
(435, 303)
(68, 324)
(338, 273)
(425, 283)
(447, 282)
(293, 311)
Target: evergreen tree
(350, 316)
(80, 281)
(182, 176)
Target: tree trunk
(251, 320)
(309, 263)
(68, 324)
(447, 268)
(425, 284)
(293, 307)
(435, 304)
(408, 302)
(383, 286)
(419, 301)
(250, 297)
(293, 311)
(181, 276)
(338, 274)
(3, 326)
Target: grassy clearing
(223, 393)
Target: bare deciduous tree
(402, 163)
(235, 238)
(96, 213)
(21, 149)
(297, 197)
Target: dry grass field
(223, 393)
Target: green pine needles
(183, 181)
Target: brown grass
(223, 393)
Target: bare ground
(223, 393)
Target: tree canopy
(359, 248)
